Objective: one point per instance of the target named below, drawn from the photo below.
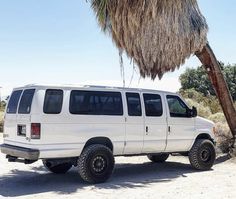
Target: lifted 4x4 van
(87, 126)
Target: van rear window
(26, 101)
(13, 102)
(96, 103)
(53, 101)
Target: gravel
(134, 177)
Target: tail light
(35, 130)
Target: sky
(59, 42)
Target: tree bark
(212, 66)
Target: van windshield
(13, 102)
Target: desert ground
(134, 177)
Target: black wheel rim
(205, 155)
(99, 164)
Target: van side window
(96, 103)
(134, 104)
(26, 101)
(13, 102)
(153, 105)
(53, 101)
(177, 107)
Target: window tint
(153, 105)
(134, 104)
(13, 102)
(96, 103)
(177, 107)
(53, 101)
(26, 101)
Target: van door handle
(169, 129)
(146, 130)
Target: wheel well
(204, 136)
(100, 140)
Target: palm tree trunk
(212, 66)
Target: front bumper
(20, 152)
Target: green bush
(197, 78)
(192, 94)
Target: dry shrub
(218, 118)
(1, 121)
(203, 111)
(233, 154)
(223, 137)
(1, 126)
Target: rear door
(10, 127)
(155, 123)
(17, 120)
(23, 115)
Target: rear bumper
(20, 152)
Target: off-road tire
(96, 164)
(197, 158)
(158, 158)
(57, 169)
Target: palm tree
(159, 35)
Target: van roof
(92, 87)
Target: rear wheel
(158, 158)
(96, 164)
(202, 155)
(59, 168)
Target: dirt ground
(134, 177)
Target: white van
(86, 126)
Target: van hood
(204, 123)
(204, 126)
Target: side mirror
(194, 112)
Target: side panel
(155, 131)
(134, 131)
(68, 133)
(181, 132)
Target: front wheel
(96, 163)
(202, 155)
(59, 168)
(158, 158)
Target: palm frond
(157, 34)
(101, 11)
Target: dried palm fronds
(157, 34)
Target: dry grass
(157, 34)
(203, 111)
(218, 118)
(1, 115)
(223, 137)
(1, 120)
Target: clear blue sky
(59, 42)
